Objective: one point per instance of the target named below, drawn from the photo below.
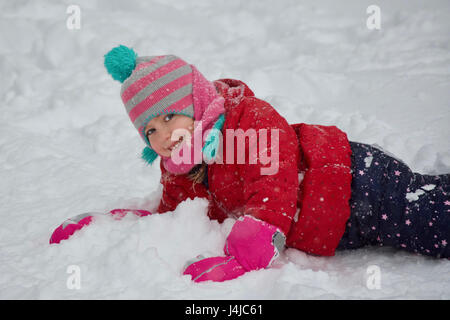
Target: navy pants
(393, 206)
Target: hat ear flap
(149, 155)
(212, 141)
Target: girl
(326, 194)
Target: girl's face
(160, 129)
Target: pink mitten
(254, 243)
(251, 245)
(215, 269)
(71, 225)
(68, 227)
(120, 213)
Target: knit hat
(156, 85)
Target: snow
(429, 187)
(368, 161)
(414, 196)
(67, 146)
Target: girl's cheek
(153, 142)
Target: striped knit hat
(155, 85)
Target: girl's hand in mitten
(215, 269)
(254, 243)
(71, 225)
(120, 213)
(251, 245)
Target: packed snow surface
(67, 146)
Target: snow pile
(414, 196)
(67, 146)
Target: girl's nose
(167, 133)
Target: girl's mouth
(176, 144)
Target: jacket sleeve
(176, 189)
(270, 184)
(325, 190)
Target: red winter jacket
(320, 155)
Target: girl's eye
(150, 131)
(168, 117)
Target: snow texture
(67, 146)
(414, 196)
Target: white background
(68, 147)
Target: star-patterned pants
(393, 206)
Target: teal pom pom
(149, 155)
(120, 62)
